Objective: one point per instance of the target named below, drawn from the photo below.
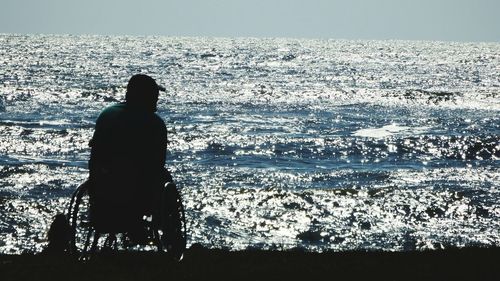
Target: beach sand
(209, 264)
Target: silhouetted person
(128, 151)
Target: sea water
(274, 143)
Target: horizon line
(248, 37)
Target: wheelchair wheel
(173, 224)
(82, 232)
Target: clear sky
(448, 20)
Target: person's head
(142, 91)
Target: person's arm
(164, 142)
(98, 149)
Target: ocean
(274, 143)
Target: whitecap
(389, 130)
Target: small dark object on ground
(58, 236)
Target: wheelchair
(164, 230)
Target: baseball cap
(142, 82)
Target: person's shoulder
(158, 120)
(115, 108)
(112, 110)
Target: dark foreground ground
(204, 264)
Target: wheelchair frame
(169, 235)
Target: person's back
(128, 157)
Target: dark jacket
(126, 163)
